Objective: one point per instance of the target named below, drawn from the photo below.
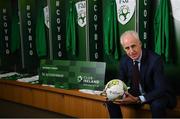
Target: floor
(13, 110)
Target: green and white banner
(143, 18)
(5, 25)
(28, 20)
(73, 74)
(5, 30)
(118, 17)
(9, 32)
(95, 30)
(76, 23)
(57, 29)
(71, 28)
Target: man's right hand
(128, 99)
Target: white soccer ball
(115, 89)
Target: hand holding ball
(115, 89)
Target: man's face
(132, 47)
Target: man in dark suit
(151, 86)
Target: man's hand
(128, 99)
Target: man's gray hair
(132, 33)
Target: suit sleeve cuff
(142, 98)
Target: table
(68, 102)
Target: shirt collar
(139, 59)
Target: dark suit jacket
(153, 80)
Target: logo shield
(81, 13)
(125, 10)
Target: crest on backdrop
(81, 13)
(125, 10)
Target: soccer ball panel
(115, 89)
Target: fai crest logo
(79, 78)
(81, 13)
(125, 10)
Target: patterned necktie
(136, 79)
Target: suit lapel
(142, 72)
(143, 67)
(130, 69)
